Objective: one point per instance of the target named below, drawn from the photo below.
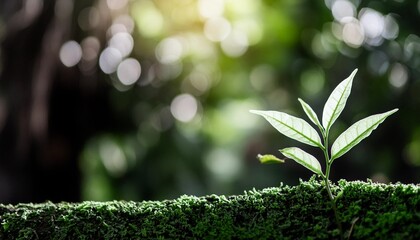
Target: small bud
(269, 159)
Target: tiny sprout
(300, 130)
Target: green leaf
(292, 127)
(303, 158)
(268, 159)
(356, 133)
(336, 102)
(311, 113)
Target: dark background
(73, 127)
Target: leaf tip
(253, 111)
(393, 111)
(390, 112)
(354, 72)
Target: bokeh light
(353, 33)
(342, 9)
(391, 30)
(89, 18)
(367, 26)
(90, 51)
(158, 94)
(169, 50)
(235, 44)
(210, 8)
(70, 53)
(373, 25)
(223, 164)
(199, 81)
(116, 4)
(378, 62)
(113, 158)
(129, 71)
(217, 29)
(123, 42)
(398, 76)
(312, 81)
(184, 107)
(109, 59)
(148, 18)
(126, 21)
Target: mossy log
(367, 211)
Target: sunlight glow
(210, 8)
(252, 28)
(148, 18)
(217, 29)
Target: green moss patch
(374, 211)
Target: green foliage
(383, 212)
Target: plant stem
(337, 220)
(327, 183)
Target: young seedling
(300, 130)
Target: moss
(379, 211)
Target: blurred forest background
(149, 100)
